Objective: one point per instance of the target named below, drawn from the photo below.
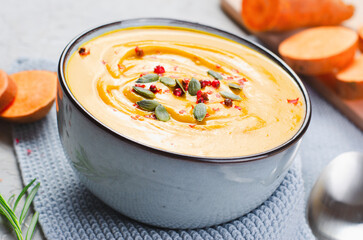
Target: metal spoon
(335, 206)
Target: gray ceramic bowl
(158, 187)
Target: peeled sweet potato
(35, 96)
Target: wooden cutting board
(353, 109)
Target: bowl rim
(169, 22)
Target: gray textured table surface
(42, 28)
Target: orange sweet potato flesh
(8, 90)
(349, 81)
(320, 50)
(283, 15)
(35, 96)
(360, 33)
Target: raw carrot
(349, 81)
(360, 33)
(35, 96)
(320, 50)
(282, 15)
(7, 90)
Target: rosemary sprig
(9, 213)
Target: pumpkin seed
(148, 78)
(200, 111)
(168, 81)
(230, 96)
(234, 86)
(215, 74)
(144, 92)
(194, 87)
(180, 85)
(148, 105)
(161, 113)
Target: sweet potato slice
(320, 50)
(35, 96)
(283, 15)
(8, 90)
(349, 81)
(360, 33)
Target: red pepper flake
(192, 125)
(203, 83)
(16, 141)
(28, 152)
(210, 92)
(218, 96)
(218, 66)
(83, 51)
(136, 117)
(140, 85)
(202, 97)
(192, 106)
(166, 90)
(176, 68)
(205, 96)
(121, 67)
(159, 69)
(182, 111)
(228, 102)
(200, 100)
(215, 109)
(207, 115)
(151, 116)
(216, 84)
(229, 78)
(293, 101)
(235, 70)
(108, 91)
(238, 107)
(103, 62)
(178, 92)
(153, 88)
(115, 110)
(139, 52)
(135, 105)
(185, 83)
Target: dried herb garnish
(215, 74)
(148, 78)
(144, 92)
(9, 213)
(200, 111)
(193, 87)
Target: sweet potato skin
(360, 33)
(8, 90)
(295, 48)
(36, 95)
(349, 81)
(284, 15)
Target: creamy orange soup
(246, 104)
